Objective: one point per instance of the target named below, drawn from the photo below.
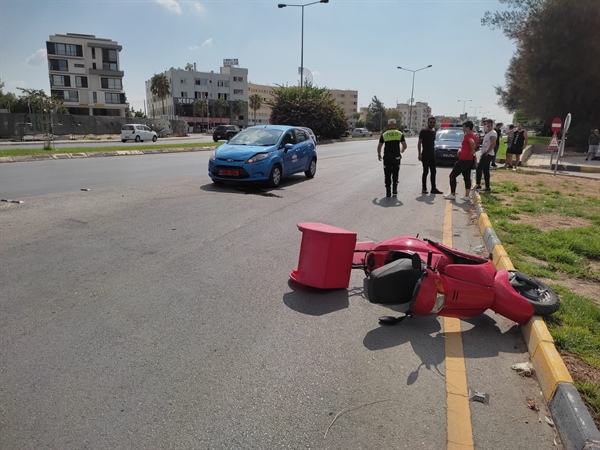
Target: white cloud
(199, 7)
(193, 47)
(171, 5)
(36, 59)
(208, 42)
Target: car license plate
(229, 172)
(449, 155)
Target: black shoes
(388, 192)
(395, 190)
(436, 191)
(424, 191)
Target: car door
(289, 156)
(304, 148)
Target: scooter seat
(393, 283)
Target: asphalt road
(155, 311)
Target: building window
(222, 95)
(114, 97)
(183, 94)
(59, 65)
(183, 81)
(81, 82)
(111, 83)
(238, 91)
(238, 79)
(54, 48)
(81, 66)
(95, 97)
(60, 80)
(67, 96)
(93, 52)
(109, 59)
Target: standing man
(498, 129)
(426, 149)
(490, 143)
(392, 139)
(593, 144)
(465, 162)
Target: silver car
(361, 132)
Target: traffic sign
(567, 122)
(556, 125)
(553, 145)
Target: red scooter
(425, 276)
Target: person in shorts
(593, 145)
(518, 144)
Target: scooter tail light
(440, 300)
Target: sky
(348, 44)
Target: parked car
(361, 132)
(225, 132)
(264, 153)
(345, 133)
(137, 132)
(447, 143)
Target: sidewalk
(568, 163)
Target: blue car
(264, 153)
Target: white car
(136, 132)
(361, 132)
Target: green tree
(237, 108)
(555, 68)
(7, 99)
(311, 107)
(376, 118)
(160, 88)
(221, 108)
(255, 104)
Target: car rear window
(127, 128)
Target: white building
(420, 112)
(85, 73)
(187, 85)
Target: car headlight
(212, 156)
(258, 157)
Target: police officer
(391, 140)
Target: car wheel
(215, 139)
(542, 297)
(275, 176)
(123, 140)
(154, 138)
(137, 139)
(312, 169)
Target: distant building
(420, 112)
(346, 99)
(85, 73)
(189, 85)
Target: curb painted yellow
(549, 366)
(483, 221)
(549, 369)
(501, 259)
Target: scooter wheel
(542, 297)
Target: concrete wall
(17, 125)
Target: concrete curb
(573, 421)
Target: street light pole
(283, 5)
(412, 91)
(464, 104)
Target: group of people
(394, 144)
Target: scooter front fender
(508, 302)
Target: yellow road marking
(458, 411)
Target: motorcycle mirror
(416, 261)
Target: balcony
(107, 72)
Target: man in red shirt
(465, 162)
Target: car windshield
(450, 135)
(256, 136)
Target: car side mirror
(288, 146)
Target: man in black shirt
(426, 148)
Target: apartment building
(346, 99)
(85, 73)
(188, 85)
(420, 112)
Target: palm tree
(160, 87)
(238, 107)
(220, 107)
(202, 108)
(255, 104)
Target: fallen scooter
(425, 276)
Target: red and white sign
(556, 125)
(553, 145)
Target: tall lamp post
(283, 5)
(412, 91)
(464, 104)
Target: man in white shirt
(487, 153)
